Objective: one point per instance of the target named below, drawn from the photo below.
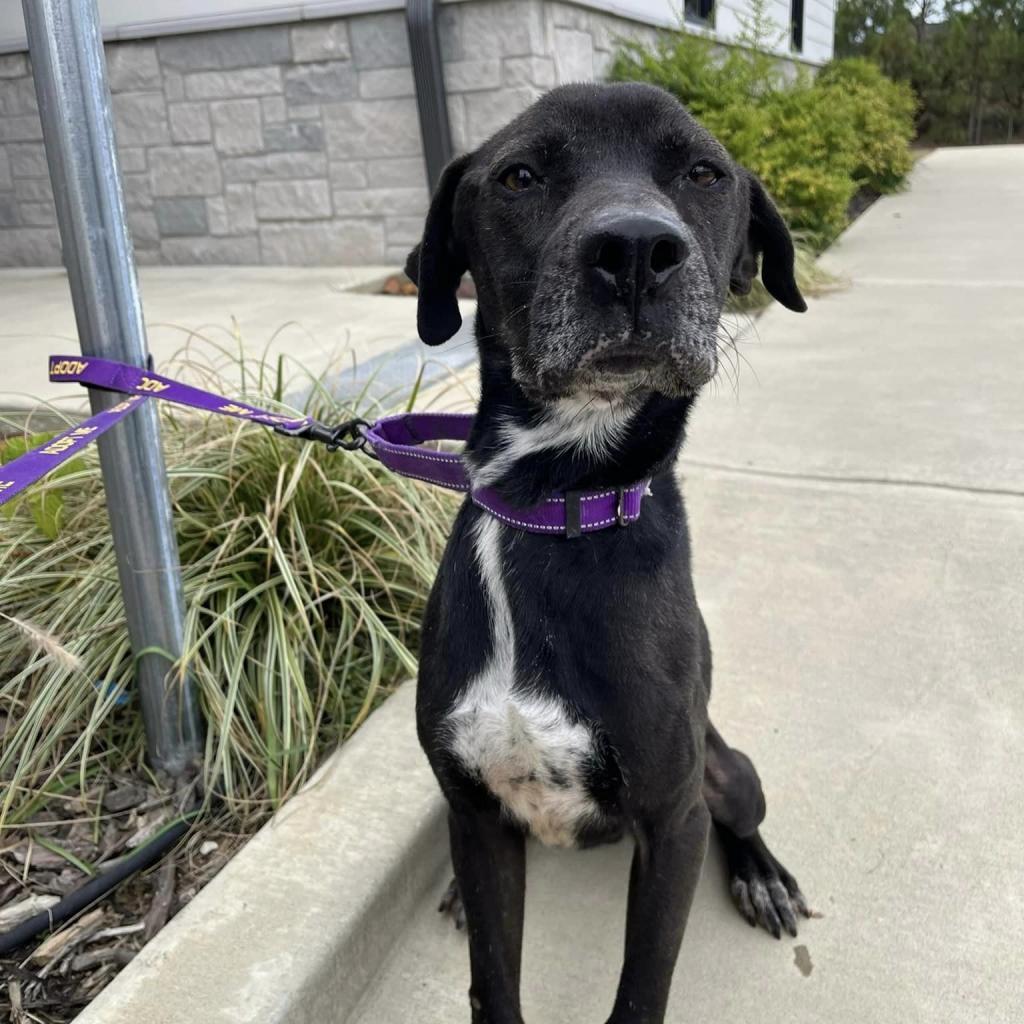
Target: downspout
(431, 98)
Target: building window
(699, 10)
(796, 24)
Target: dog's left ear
(437, 264)
(768, 238)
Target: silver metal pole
(66, 51)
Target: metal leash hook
(349, 436)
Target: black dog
(564, 683)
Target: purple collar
(395, 441)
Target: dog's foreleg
(764, 891)
(666, 865)
(489, 858)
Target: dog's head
(603, 228)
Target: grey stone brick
(538, 71)
(292, 200)
(349, 174)
(13, 65)
(137, 193)
(469, 75)
(184, 171)
(322, 243)
(567, 15)
(20, 129)
(405, 231)
(372, 128)
(174, 86)
(217, 215)
(234, 213)
(33, 190)
(318, 83)
(143, 228)
(38, 215)
(457, 121)
(503, 28)
(181, 217)
(238, 251)
(9, 212)
(133, 67)
(147, 257)
(304, 112)
(140, 119)
(380, 40)
(296, 135)
(367, 202)
(386, 83)
(274, 110)
(275, 166)
(190, 122)
(399, 172)
(6, 178)
(131, 158)
(18, 96)
(237, 126)
(220, 85)
(396, 254)
(608, 33)
(486, 111)
(574, 55)
(225, 50)
(449, 30)
(28, 160)
(30, 247)
(320, 40)
(603, 61)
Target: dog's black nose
(633, 255)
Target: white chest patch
(525, 748)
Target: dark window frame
(796, 25)
(699, 12)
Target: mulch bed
(52, 978)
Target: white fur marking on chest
(584, 425)
(524, 747)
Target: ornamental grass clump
(305, 573)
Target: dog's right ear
(437, 264)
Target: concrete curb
(298, 924)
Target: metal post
(66, 51)
(431, 98)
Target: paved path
(858, 520)
(321, 317)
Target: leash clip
(348, 436)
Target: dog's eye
(704, 175)
(518, 178)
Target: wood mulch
(52, 978)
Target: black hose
(95, 888)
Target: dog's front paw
(451, 905)
(763, 890)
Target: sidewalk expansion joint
(854, 480)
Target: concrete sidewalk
(320, 318)
(858, 524)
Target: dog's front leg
(666, 865)
(489, 858)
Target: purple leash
(395, 440)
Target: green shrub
(881, 112)
(813, 141)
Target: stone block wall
(293, 143)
